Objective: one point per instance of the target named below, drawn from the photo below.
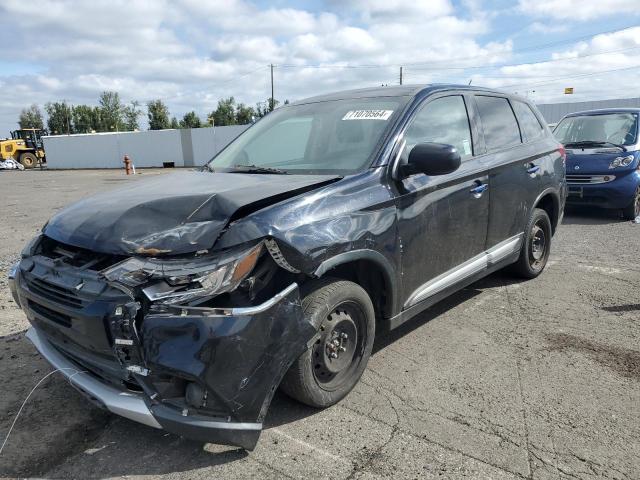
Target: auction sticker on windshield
(367, 115)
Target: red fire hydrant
(127, 164)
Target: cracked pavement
(506, 379)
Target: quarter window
(443, 120)
(529, 123)
(498, 122)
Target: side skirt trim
(469, 268)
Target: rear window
(498, 122)
(529, 123)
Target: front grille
(77, 257)
(61, 295)
(49, 314)
(589, 179)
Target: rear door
(514, 167)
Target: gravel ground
(505, 379)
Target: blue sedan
(603, 157)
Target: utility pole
(400, 75)
(273, 101)
(67, 111)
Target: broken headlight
(183, 280)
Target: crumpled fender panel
(239, 358)
(357, 214)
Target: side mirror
(432, 159)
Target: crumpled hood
(171, 214)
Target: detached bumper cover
(126, 404)
(238, 356)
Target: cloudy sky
(190, 53)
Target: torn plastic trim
(233, 311)
(277, 255)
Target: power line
(552, 60)
(475, 57)
(581, 75)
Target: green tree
(111, 111)
(84, 120)
(31, 118)
(174, 123)
(130, 114)
(59, 121)
(244, 114)
(190, 120)
(262, 108)
(158, 114)
(225, 114)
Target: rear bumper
(236, 356)
(616, 194)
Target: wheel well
(370, 276)
(549, 204)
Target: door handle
(532, 168)
(479, 189)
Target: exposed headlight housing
(30, 248)
(182, 280)
(622, 161)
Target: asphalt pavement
(505, 379)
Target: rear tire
(536, 246)
(331, 367)
(28, 160)
(631, 211)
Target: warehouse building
(190, 147)
(553, 112)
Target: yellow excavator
(24, 146)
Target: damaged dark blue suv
(183, 302)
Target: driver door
(442, 219)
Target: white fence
(184, 148)
(553, 112)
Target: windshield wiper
(207, 168)
(585, 143)
(257, 169)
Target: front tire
(631, 211)
(536, 246)
(28, 160)
(332, 366)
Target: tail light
(563, 153)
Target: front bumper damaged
(234, 359)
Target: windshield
(613, 128)
(332, 137)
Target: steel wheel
(538, 247)
(337, 351)
(333, 364)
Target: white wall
(191, 147)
